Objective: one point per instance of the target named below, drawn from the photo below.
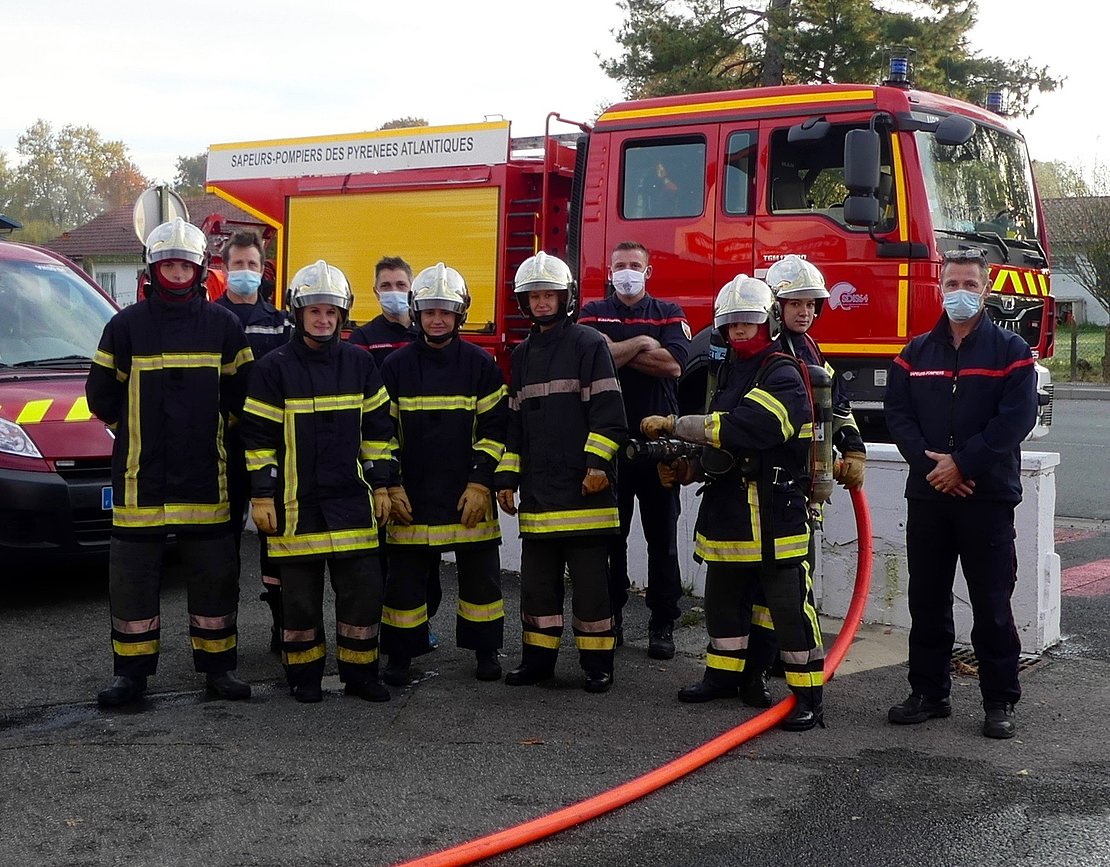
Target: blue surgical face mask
(962, 304)
(394, 303)
(243, 282)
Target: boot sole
(924, 716)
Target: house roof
(113, 234)
(1077, 219)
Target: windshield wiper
(50, 362)
(983, 237)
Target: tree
(1057, 180)
(683, 46)
(192, 174)
(68, 177)
(7, 185)
(403, 123)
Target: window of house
(107, 281)
(663, 178)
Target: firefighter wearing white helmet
(450, 409)
(753, 523)
(566, 423)
(170, 474)
(316, 428)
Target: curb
(1079, 391)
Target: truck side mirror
(955, 130)
(861, 177)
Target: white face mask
(628, 283)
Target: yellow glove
(506, 499)
(594, 482)
(680, 472)
(475, 504)
(264, 515)
(655, 426)
(849, 470)
(383, 505)
(400, 508)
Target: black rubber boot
(122, 690)
(809, 710)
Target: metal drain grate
(964, 662)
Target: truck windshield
(985, 185)
(47, 312)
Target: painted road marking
(1090, 579)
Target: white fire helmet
(439, 288)
(794, 278)
(320, 283)
(745, 299)
(545, 272)
(177, 239)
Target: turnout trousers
(980, 535)
(659, 511)
(134, 584)
(479, 616)
(238, 494)
(543, 564)
(357, 582)
(729, 591)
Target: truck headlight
(14, 441)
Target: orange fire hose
(605, 802)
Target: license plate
(106, 498)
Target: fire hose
(605, 802)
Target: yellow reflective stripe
(538, 639)
(749, 551)
(105, 359)
(259, 459)
(374, 450)
(33, 411)
(177, 360)
(761, 616)
(79, 411)
(490, 401)
(327, 542)
(379, 399)
(244, 356)
(263, 410)
(509, 463)
(713, 429)
(404, 618)
(481, 613)
(723, 663)
(601, 446)
(426, 402)
(170, 513)
(443, 534)
(806, 431)
(491, 447)
(595, 642)
(213, 645)
(774, 406)
(575, 519)
(805, 678)
(300, 657)
(135, 648)
(357, 657)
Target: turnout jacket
(976, 403)
(846, 435)
(565, 415)
(643, 393)
(167, 378)
(315, 425)
(450, 411)
(381, 337)
(265, 326)
(768, 427)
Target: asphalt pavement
(188, 780)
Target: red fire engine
(871, 183)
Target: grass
(1090, 347)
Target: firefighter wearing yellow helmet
(753, 523)
(168, 376)
(316, 429)
(450, 408)
(566, 422)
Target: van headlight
(15, 441)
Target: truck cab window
(663, 179)
(739, 177)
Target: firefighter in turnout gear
(316, 427)
(266, 328)
(168, 377)
(753, 524)
(449, 405)
(566, 423)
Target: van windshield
(47, 312)
(985, 185)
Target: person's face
(544, 302)
(630, 260)
(244, 259)
(321, 320)
(392, 280)
(437, 322)
(176, 272)
(798, 314)
(962, 275)
(738, 332)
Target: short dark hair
(391, 263)
(244, 238)
(633, 245)
(972, 256)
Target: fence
(1079, 354)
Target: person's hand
(383, 505)
(264, 515)
(506, 500)
(849, 470)
(474, 504)
(594, 482)
(946, 476)
(400, 509)
(656, 426)
(679, 472)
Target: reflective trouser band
(761, 616)
(135, 648)
(538, 639)
(724, 663)
(213, 645)
(595, 642)
(805, 678)
(482, 613)
(404, 619)
(303, 657)
(357, 657)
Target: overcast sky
(168, 84)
